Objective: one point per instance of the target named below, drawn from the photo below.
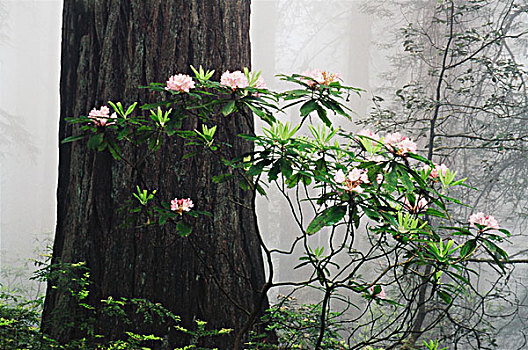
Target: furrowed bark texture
(109, 48)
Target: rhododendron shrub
(361, 187)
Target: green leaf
(463, 281)
(189, 155)
(336, 107)
(321, 112)
(228, 108)
(307, 180)
(293, 180)
(320, 164)
(273, 173)
(468, 247)
(434, 212)
(115, 151)
(73, 138)
(260, 190)
(404, 177)
(95, 140)
(295, 94)
(183, 229)
(286, 168)
(327, 217)
(221, 178)
(266, 117)
(308, 107)
(392, 179)
(506, 232)
(131, 108)
(446, 297)
(371, 214)
(257, 168)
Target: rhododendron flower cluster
(181, 205)
(180, 82)
(436, 171)
(401, 145)
(484, 220)
(101, 116)
(321, 77)
(238, 80)
(235, 80)
(416, 207)
(352, 181)
(380, 295)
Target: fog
(29, 104)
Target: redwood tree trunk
(109, 48)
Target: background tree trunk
(109, 48)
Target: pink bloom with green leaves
(235, 80)
(380, 295)
(436, 171)
(368, 133)
(400, 145)
(181, 205)
(352, 181)
(260, 84)
(102, 117)
(321, 77)
(484, 220)
(180, 82)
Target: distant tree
(466, 102)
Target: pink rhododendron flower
(352, 181)
(339, 176)
(484, 220)
(375, 158)
(416, 207)
(180, 82)
(101, 117)
(181, 205)
(401, 145)
(368, 133)
(379, 179)
(358, 175)
(321, 77)
(235, 80)
(436, 171)
(380, 295)
(260, 84)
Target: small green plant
(19, 321)
(298, 327)
(20, 317)
(433, 345)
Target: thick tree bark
(109, 48)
